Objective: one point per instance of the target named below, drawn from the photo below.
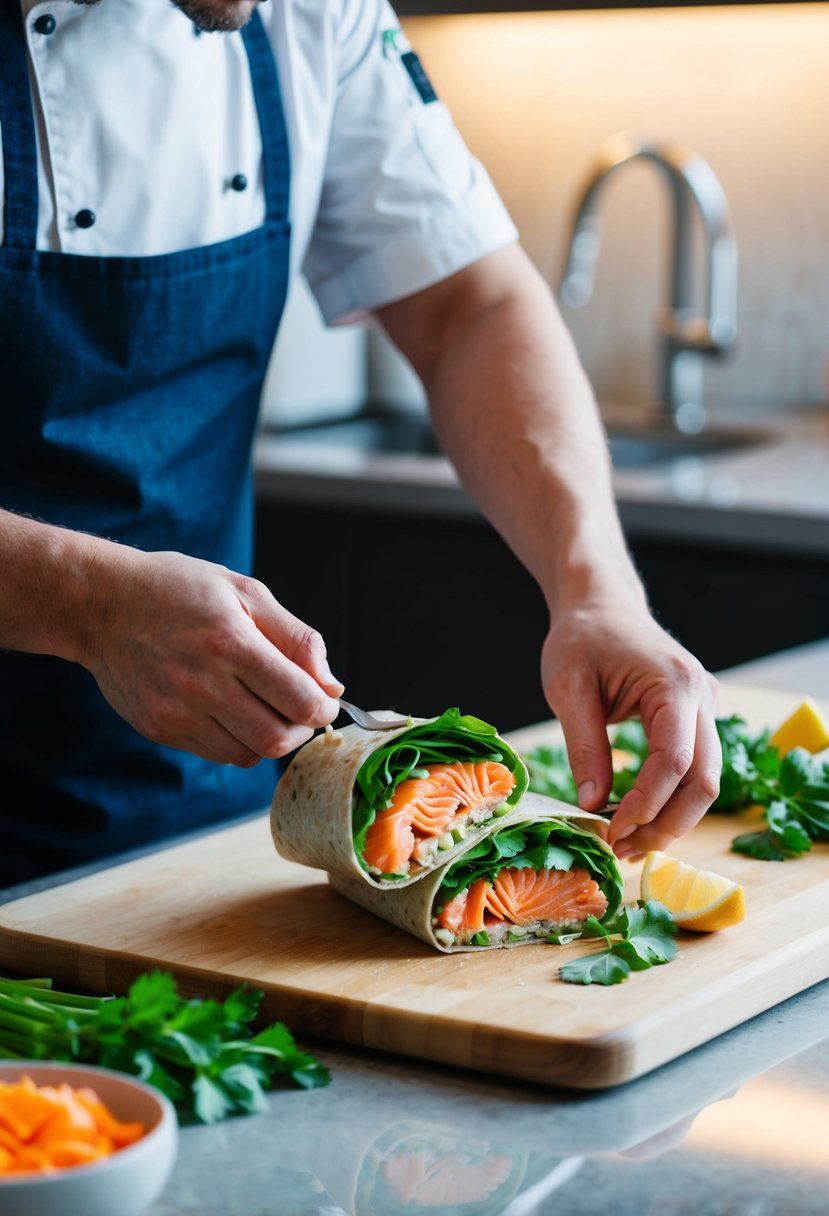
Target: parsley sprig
(638, 937)
(201, 1053)
(793, 790)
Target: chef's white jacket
(145, 122)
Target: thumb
(588, 748)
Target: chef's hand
(603, 663)
(200, 658)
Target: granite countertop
(735, 1127)
(772, 494)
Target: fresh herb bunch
(793, 790)
(200, 1053)
(638, 937)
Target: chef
(168, 170)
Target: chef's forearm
(514, 411)
(50, 582)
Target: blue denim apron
(130, 395)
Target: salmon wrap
(530, 878)
(388, 807)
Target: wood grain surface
(224, 909)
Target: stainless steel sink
(637, 447)
(631, 447)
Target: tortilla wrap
(312, 810)
(411, 908)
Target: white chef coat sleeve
(404, 204)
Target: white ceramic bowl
(125, 1183)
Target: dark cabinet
(420, 613)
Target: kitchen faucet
(687, 336)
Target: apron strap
(18, 128)
(267, 93)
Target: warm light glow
(745, 86)
(772, 1122)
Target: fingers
(283, 665)
(692, 795)
(281, 685)
(596, 672)
(671, 739)
(299, 643)
(197, 657)
(582, 719)
(216, 742)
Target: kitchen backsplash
(535, 94)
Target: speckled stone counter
(737, 1127)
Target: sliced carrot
(29, 1158)
(23, 1110)
(68, 1116)
(56, 1127)
(63, 1153)
(120, 1133)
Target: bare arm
(190, 653)
(514, 411)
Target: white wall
(746, 87)
(314, 371)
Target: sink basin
(641, 446)
(630, 447)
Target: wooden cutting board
(225, 909)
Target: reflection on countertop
(734, 484)
(704, 1134)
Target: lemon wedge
(697, 899)
(806, 727)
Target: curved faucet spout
(687, 333)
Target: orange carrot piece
(22, 1110)
(69, 1118)
(56, 1127)
(63, 1153)
(29, 1159)
(121, 1133)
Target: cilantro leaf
(644, 936)
(650, 933)
(602, 968)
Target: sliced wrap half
(526, 877)
(388, 807)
